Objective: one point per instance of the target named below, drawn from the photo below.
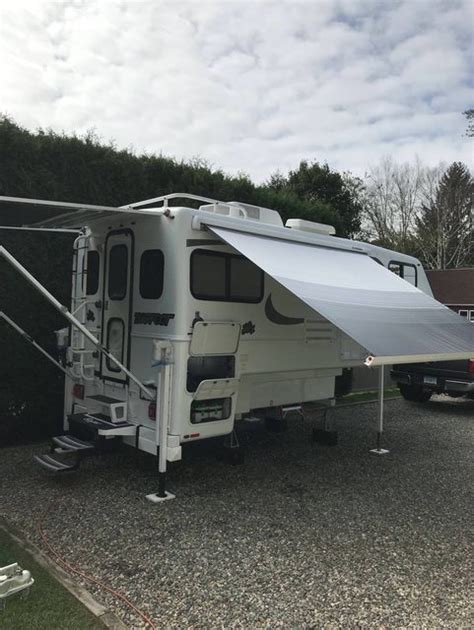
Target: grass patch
(49, 605)
(389, 392)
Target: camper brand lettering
(158, 319)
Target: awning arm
(39, 229)
(36, 345)
(372, 361)
(70, 317)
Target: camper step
(54, 464)
(71, 443)
(100, 424)
(117, 409)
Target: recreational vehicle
(186, 318)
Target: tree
(469, 113)
(318, 183)
(392, 197)
(445, 228)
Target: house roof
(452, 286)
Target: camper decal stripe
(278, 318)
(159, 319)
(199, 242)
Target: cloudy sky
(249, 86)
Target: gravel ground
(300, 536)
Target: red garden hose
(60, 560)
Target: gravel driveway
(300, 536)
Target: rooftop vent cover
(311, 226)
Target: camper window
(246, 280)
(92, 273)
(118, 264)
(405, 270)
(225, 277)
(208, 275)
(151, 274)
(409, 274)
(115, 337)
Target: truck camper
(185, 318)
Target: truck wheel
(414, 393)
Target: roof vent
(240, 210)
(311, 226)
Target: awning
(39, 213)
(393, 320)
(16, 212)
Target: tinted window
(151, 274)
(92, 273)
(208, 275)
(396, 268)
(245, 280)
(405, 270)
(118, 272)
(115, 337)
(409, 274)
(225, 277)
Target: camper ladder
(79, 300)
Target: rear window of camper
(152, 265)
(404, 270)
(115, 339)
(225, 277)
(118, 272)
(92, 273)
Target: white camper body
(185, 319)
(240, 342)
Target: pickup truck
(419, 381)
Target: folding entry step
(54, 464)
(72, 444)
(67, 451)
(72, 450)
(99, 424)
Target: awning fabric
(393, 320)
(19, 211)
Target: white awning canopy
(40, 213)
(393, 320)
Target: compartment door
(216, 338)
(117, 302)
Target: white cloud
(254, 86)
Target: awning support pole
(380, 409)
(162, 416)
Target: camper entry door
(117, 300)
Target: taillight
(470, 369)
(78, 391)
(152, 410)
